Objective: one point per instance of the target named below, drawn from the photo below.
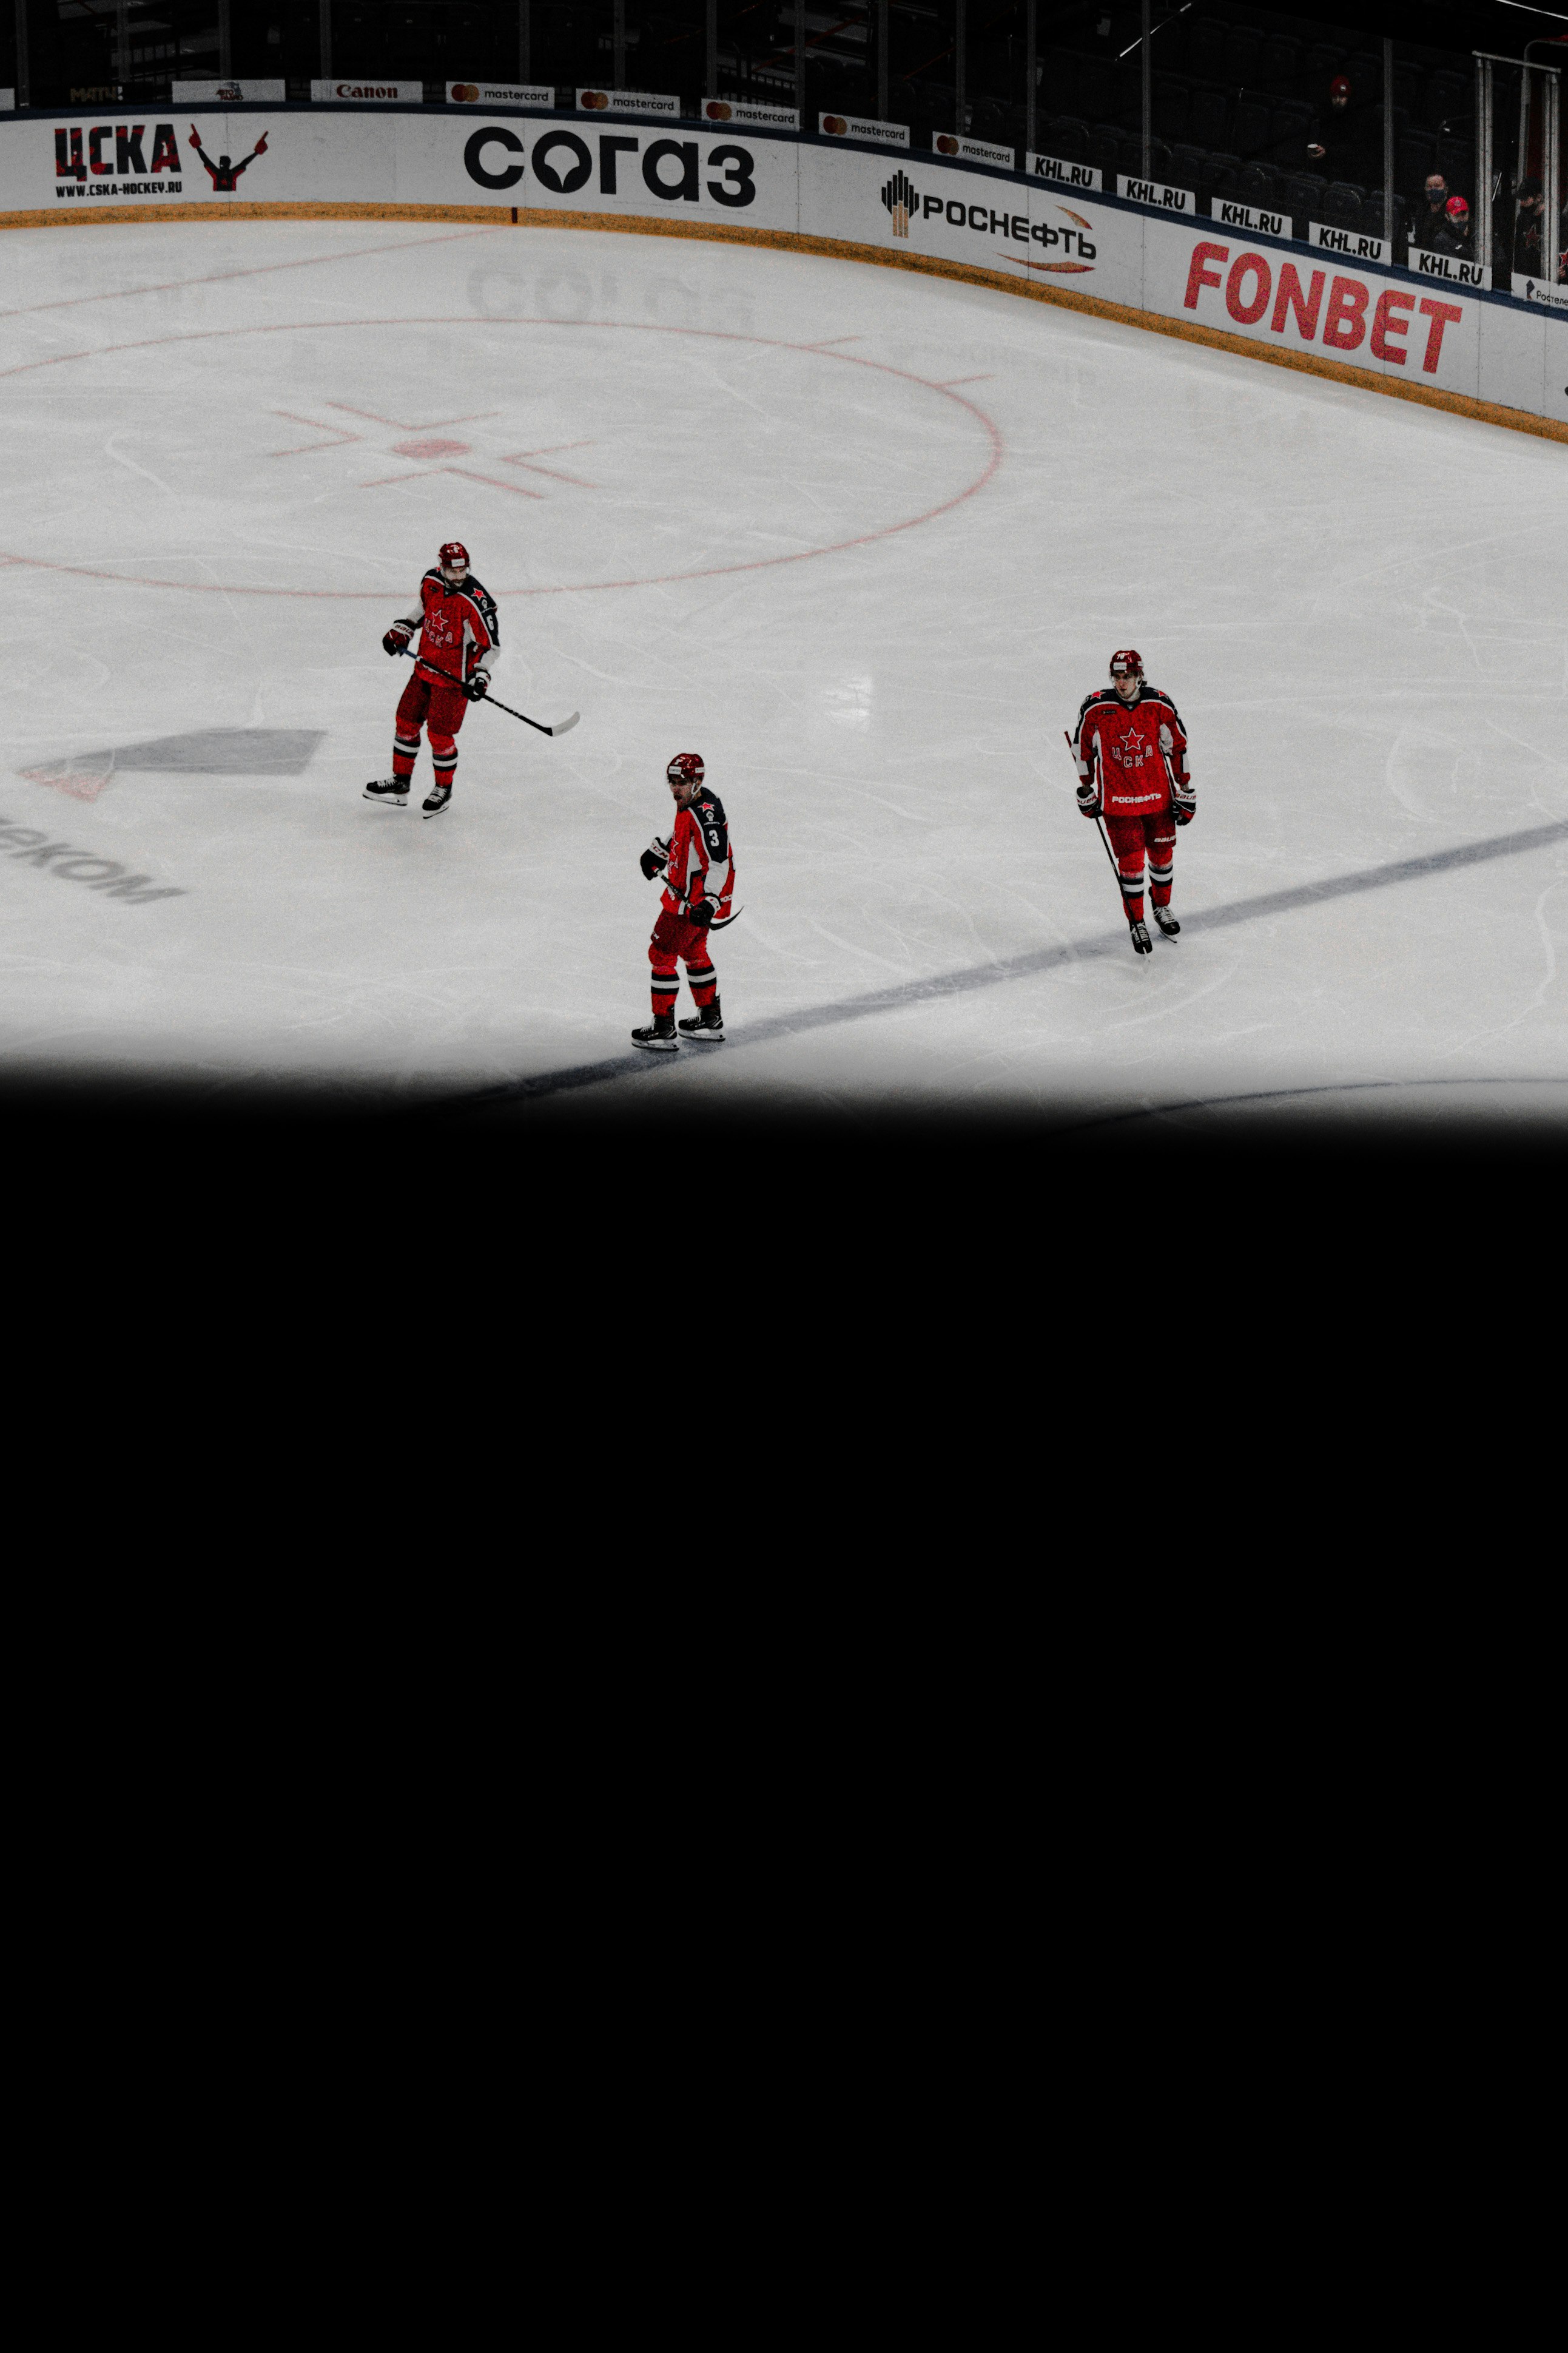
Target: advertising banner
(499, 93)
(1348, 241)
(743, 110)
(1085, 177)
(1154, 191)
(625, 102)
(7, 101)
(1345, 314)
(580, 167)
(1021, 228)
(1430, 326)
(1453, 268)
(972, 151)
(367, 93)
(858, 126)
(228, 93)
(1261, 224)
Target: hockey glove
(1088, 801)
(655, 858)
(396, 638)
(478, 687)
(702, 913)
(1184, 807)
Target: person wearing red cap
(459, 639)
(1131, 754)
(699, 870)
(1452, 234)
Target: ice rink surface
(862, 539)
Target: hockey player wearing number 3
(1131, 754)
(698, 883)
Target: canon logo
(365, 89)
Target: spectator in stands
(1453, 233)
(1528, 229)
(1331, 147)
(1433, 213)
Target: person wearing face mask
(1453, 233)
(1433, 215)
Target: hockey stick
(560, 728)
(1099, 821)
(1099, 824)
(721, 924)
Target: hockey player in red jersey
(698, 873)
(459, 636)
(1131, 754)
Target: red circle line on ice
(578, 588)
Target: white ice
(726, 505)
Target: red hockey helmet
(453, 554)
(686, 768)
(1126, 663)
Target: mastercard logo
(946, 145)
(835, 125)
(595, 101)
(716, 111)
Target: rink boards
(1502, 358)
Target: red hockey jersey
(701, 864)
(1133, 753)
(459, 632)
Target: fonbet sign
(1045, 229)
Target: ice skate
(439, 795)
(1141, 943)
(706, 1024)
(1166, 922)
(392, 792)
(660, 1038)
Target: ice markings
(202, 752)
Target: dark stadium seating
(1342, 205)
(1171, 100)
(1455, 160)
(1058, 80)
(1241, 53)
(1249, 124)
(1217, 177)
(1188, 168)
(1208, 118)
(1289, 122)
(1105, 149)
(1414, 156)
(1324, 60)
(1280, 61)
(1371, 222)
(1096, 87)
(1447, 95)
(1205, 53)
(1258, 184)
(1066, 138)
(1301, 195)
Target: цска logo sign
(907, 207)
(90, 170)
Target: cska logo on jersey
(1137, 750)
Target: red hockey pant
(1128, 837)
(445, 706)
(674, 936)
